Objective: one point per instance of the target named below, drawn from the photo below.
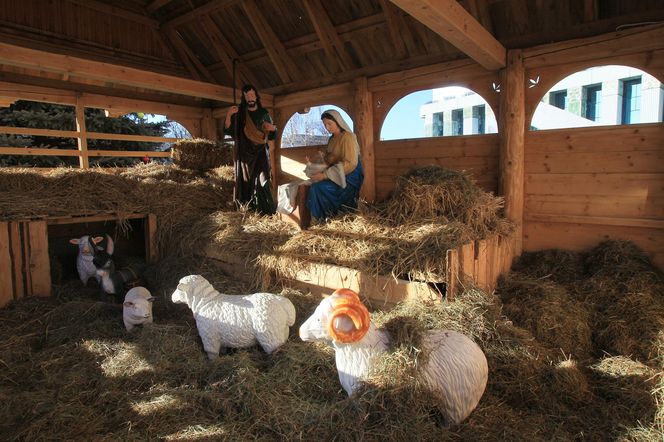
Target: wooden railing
(81, 151)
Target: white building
(606, 95)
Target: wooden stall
(27, 249)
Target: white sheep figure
(87, 247)
(137, 308)
(456, 369)
(233, 320)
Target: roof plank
(452, 22)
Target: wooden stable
(24, 251)
(566, 188)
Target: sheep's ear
(97, 239)
(353, 311)
(128, 304)
(74, 241)
(151, 298)
(110, 246)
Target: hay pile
(72, 372)
(407, 235)
(612, 290)
(178, 197)
(200, 154)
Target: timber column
(363, 128)
(512, 122)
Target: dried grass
(199, 154)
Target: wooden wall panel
(586, 185)
(6, 285)
(477, 154)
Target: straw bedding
(70, 371)
(201, 155)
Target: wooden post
(209, 125)
(38, 263)
(151, 251)
(6, 285)
(512, 120)
(364, 130)
(82, 134)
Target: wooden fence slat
(39, 262)
(467, 260)
(6, 285)
(452, 267)
(16, 250)
(481, 263)
(151, 251)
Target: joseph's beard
(251, 103)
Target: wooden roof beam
(282, 62)
(206, 9)
(225, 51)
(327, 34)
(449, 20)
(186, 53)
(118, 12)
(12, 55)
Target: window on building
(558, 99)
(479, 114)
(438, 112)
(592, 99)
(457, 122)
(631, 101)
(600, 95)
(437, 124)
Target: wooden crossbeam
(206, 9)
(34, 59)
(181, 45)
(480, 10)
(449, 20)
(327, 34)
(118, 12)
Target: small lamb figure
(88, 246)
(137, 308)
(456, 369)
(235, 321)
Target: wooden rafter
(186, 53)
(156, 4)
(34, 59)
(206, 9)
(327, 34)
(225, 51)
(118, 12)
(275, 48)
(449, 20)
(168, 41)
(395, 25)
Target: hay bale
(200, 154)
(444, 195)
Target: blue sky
(403, 120)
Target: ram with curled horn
(456, 370)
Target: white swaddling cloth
(287, 193)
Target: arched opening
(601, 96)
(302, 135)
(305, 128)
(439, 112)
